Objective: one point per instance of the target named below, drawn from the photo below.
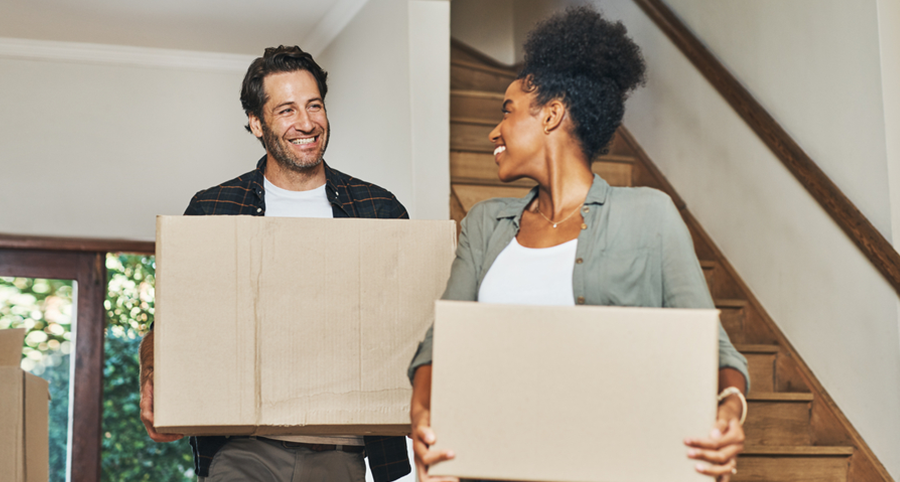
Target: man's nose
(304, 122)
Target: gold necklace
(559, 222)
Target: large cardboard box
(572, 394)
(24, 412)
(292, 326)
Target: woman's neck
(564, 185)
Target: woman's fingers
(719, 457)
(717, 470)
(722, 434)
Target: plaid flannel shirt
(350, 198)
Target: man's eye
(315, 106)
(286, 111)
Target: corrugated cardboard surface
(572, 393)
(291, 325)
(24, 399)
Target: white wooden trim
(15, 48)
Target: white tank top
(531, 276)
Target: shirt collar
(596, 195)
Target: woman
(574, 239)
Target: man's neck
(293, 180)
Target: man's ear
(255, 125)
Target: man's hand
(422, 435)
(147, 415)
(147, 392)
(717, 454)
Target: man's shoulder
(234, 196)
(368, 199)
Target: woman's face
(519, 138)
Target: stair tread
(808, 450)
(780, 397)
(758, 348)
(473, 120)
(484, 94)
(483, 68)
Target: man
(283, 94)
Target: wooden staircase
(794, 430)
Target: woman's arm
(422, 435)
(717, 453)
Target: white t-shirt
(304, 204)
(297, 204)
(531, 276)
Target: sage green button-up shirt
(634, 251)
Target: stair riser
(476, 167)
(777, 423)
(470, 137)
(472, 79)
(760, 468)
(476, 107)
(762, 372)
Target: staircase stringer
(830, 424)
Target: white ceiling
(231, 26)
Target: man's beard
(279, 149)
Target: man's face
(294, 125)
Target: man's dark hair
(275, 60)
(588, 63)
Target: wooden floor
(794, 430)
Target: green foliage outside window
(44, 308)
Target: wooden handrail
(879, 251)
(95, 245)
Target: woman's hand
(717, 454)
(422, 435)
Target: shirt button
(579, 261)
(587, 209)
(580, 300)
(259, 210)
(583, 226)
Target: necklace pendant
(554, 226)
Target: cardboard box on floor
(24, 412)
(290, 326)
(570, 394)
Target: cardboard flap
(36, 428)
(11, 342)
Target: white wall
(99, 148)
(96, 140)
(389, 114)
(889, 33)
(815, 66)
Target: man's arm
(147, 392)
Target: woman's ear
(552, 115)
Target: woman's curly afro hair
(591, 65)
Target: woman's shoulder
(643, 197)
